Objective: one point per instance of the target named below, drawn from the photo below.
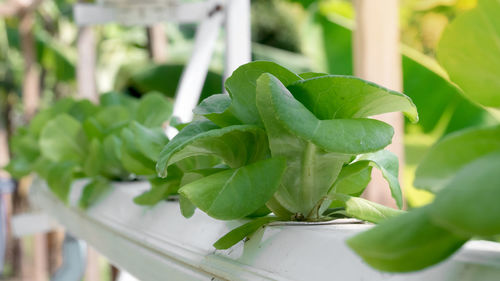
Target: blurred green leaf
(132, 159)
(468, 204)
(160, 189)
(63, 139)
(115, 98)
(93, 191)
(469, 52)
(406, 243)
(153, 110)
(59, 178)
(441, 101)
(94, 161)
(149, 141)
(451, 154)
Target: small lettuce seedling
(117, 140)
(300, 145)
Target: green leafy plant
(461, 169)
(117, 140)
(300, 145)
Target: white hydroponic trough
(158, 243)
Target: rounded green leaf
(132, 158)
(236, 145)
(469, 205)
(153, 110)
(216, 108)
(363, 209)
(187, 134)
(310, 170)
(161, 188)
(93, 191)
(451, 154)
(241, 85)
(353, 178)
(149, 141)
(82, 109)
(347, 136)
(340, 97)
(236, 235)
(59, 177)
(62, 139)
(112, 119)
(470, 52)
(236, 193)
(309, 75)
(388, 164)
(405, 243)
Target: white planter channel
(158, 243)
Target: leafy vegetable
(340, 100)
(353, 178)
(63, 139)
(224, 195)
(242, 88)
(364, 209)
(93, 191)
(236, 145)
(239, 233)
(120, 139)
(292, 142)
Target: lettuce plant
(301, 146)
(461, 169)
(117, 140)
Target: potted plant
(297, 145)
(115, 141)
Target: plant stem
(307, 181)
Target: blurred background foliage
(303, 35)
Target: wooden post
(92, 270)
(377, 59)
(157, 43)
(24, 10)
(31, 81)
(87, 89)
(37, 268)
(85, 70)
